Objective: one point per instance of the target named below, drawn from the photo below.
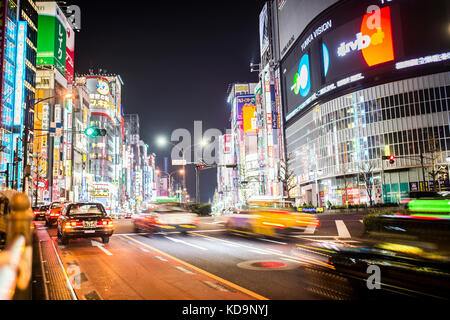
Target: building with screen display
(105, 157)
(361, 82)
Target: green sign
(51, 46)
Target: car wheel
(105, 239)
(136, 229)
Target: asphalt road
(208, 264)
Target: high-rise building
(18, 40)
(105, 158)
(54, 109)
(362, 82)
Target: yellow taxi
(270, 218)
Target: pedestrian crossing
(334, 229)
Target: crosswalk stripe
(310, 229)
(342, 229)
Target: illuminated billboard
(52, 36)
(357, 44)
(241, 102)
(20, 74)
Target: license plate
(89, 224)
(89, 231)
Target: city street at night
(261, 159)
(206, 264)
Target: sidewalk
(49, 277)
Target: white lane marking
(215, 286)
(310, 229)
(273, 250)
(178, 232)
(184, 270)
(100, 246)
(292, 260)
(215, 222)
(129, 234)
(273, 241)
(259, 252)
(342, 229)
(186, 243)
(316, 237)
(161, 258)
(143, 249)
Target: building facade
(105, 158)
(359, 83)
(18, 30)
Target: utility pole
(197, 182)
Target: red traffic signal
(391, 159)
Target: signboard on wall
(359, 43)
(52, 36)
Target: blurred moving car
(84, 220)
(39, 211)
(409, 252)
(165, 217)
(270, 218)
(53, 212)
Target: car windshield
(56, 205)
(169, 209)
(83, 209)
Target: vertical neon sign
(20, 73)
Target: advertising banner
(294, 16)
(244, 101)
(361, 43)
(249, 116)
(264, 29)
(52, 36)
(70, 54)
(227, 143)
(20, 74)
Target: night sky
(176, 60)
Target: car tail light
(73, 224)
(105, 223)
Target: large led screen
(359, 43)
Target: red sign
(41, 184)
(227, 143)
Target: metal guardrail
(16, 259)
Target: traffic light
(391, 159)
(95, 132)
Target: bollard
(19, 224)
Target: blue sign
(20, 73)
